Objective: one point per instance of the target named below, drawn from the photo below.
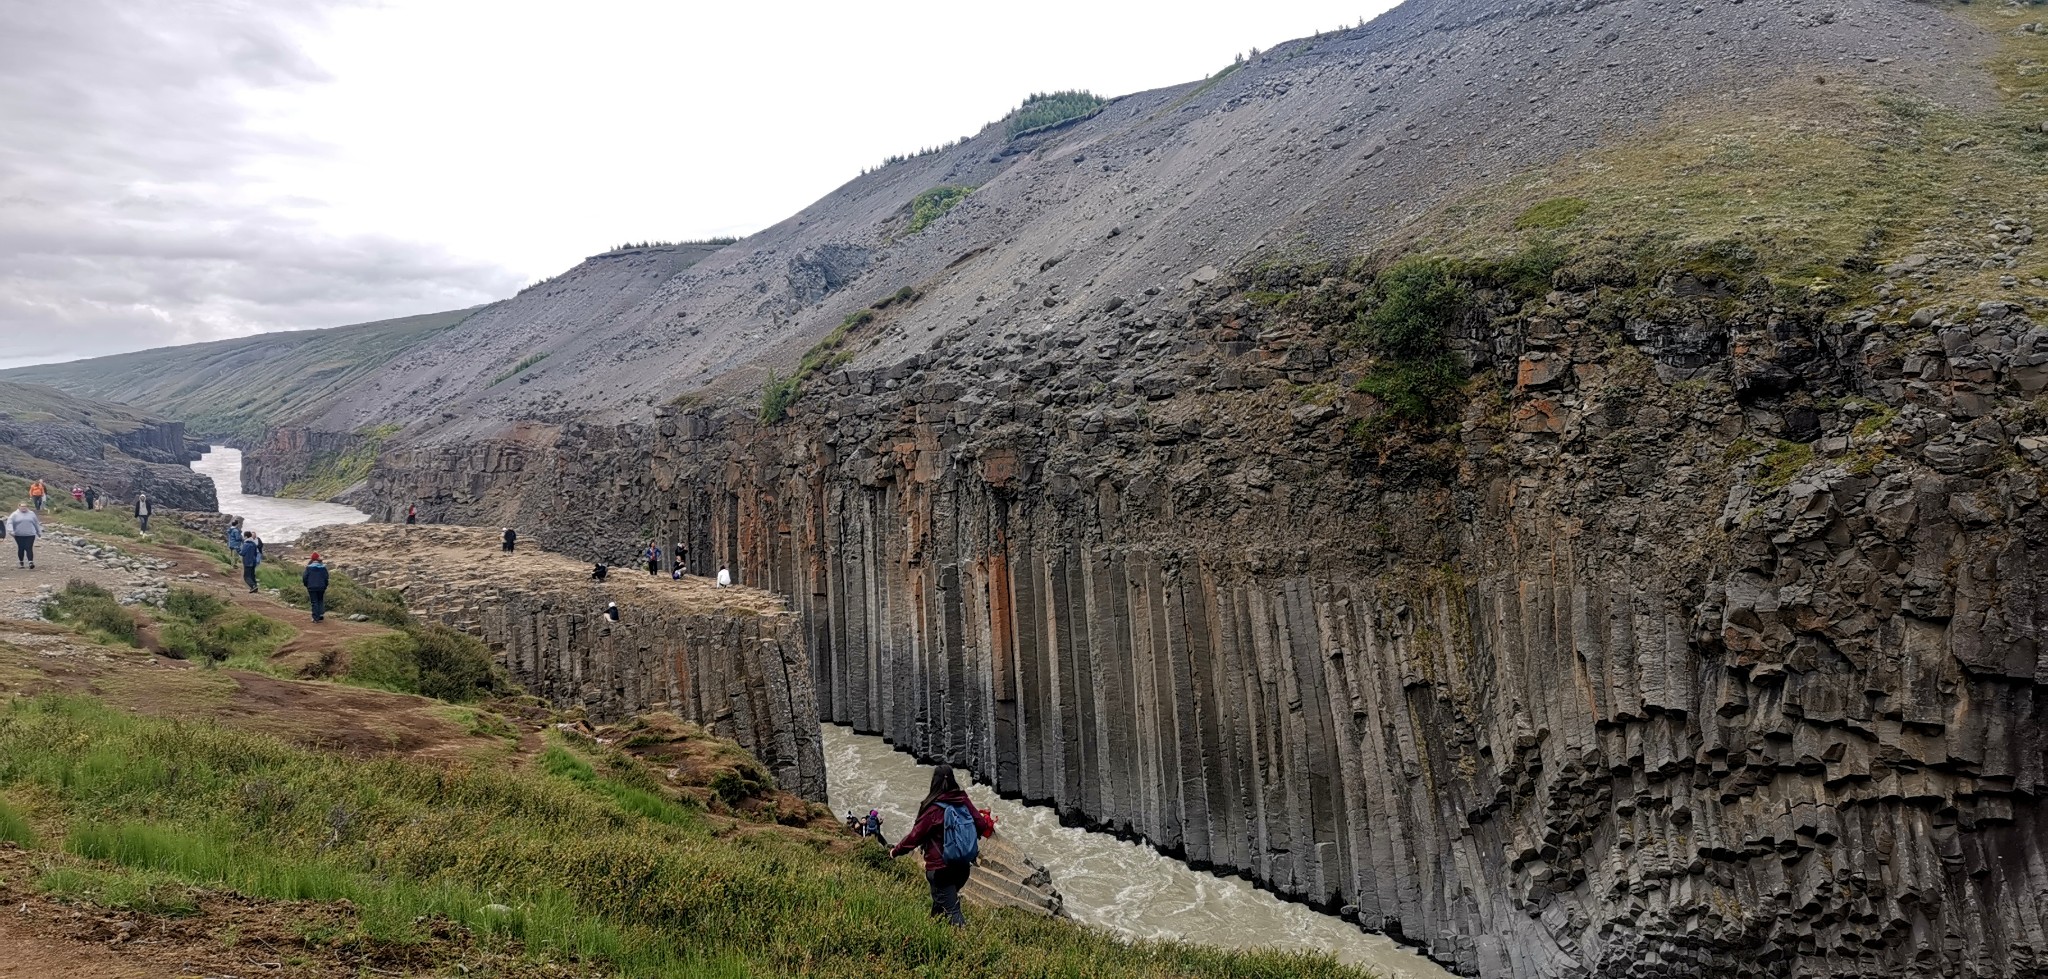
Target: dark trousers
(654, 567)
(249, 576)
(25, 549)
(318, 596)
(144, 521)
(38, 501)
(946, 886)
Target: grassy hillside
(368, 831)
(234, 389)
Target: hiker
(611, 611)
(36, 491)
(252, 555)
(598, 571)
(234, 536)
(77, 494)
(23, 526)
(872, 826)
(315, 580)
(142, 511)
(724, 578)
(412, 514)
(652, 555)
(676, 575)
(676, 552)
(852, 822)
(949, 830)
(511, 539)
(92, 497)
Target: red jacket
(929, 831)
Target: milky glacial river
(1109, 883)
(274, 519)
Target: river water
(1109, 883)
(1125, 887)
(274, 519)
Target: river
(274, 519)
(1110, 883)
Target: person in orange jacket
(36, 492)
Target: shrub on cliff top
(92, 610)
(1044, 109)
(429, 660)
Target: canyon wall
(1707, 643)
(731, 659)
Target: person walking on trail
(77, 494)
(36, 492)
(234, 536)
(511, 539)
(949, 831)
(92, 497)
(315, 580)
(652, 555)
(724, 578)
(24, 527)
(412, 514)
(252, 555)
(142, 511)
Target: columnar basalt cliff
(1646, 583)
(731, 659)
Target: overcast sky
(182, 170)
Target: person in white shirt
(724, 578)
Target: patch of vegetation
(93, 610)
(333, 473)
(1876, 419)
(345, 595)
(1044, 110)
(557, 862)
(1557, 212)
(524, 362)
(643, 245)
(138, 891)
(778, 393)
(198, 626)
(934, 203)
(1783, 462)
(641, 801)
(14, 828)
(429, 660)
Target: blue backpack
(963, 838)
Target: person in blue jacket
(252, 555)
(315, 580)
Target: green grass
(332, 473)
(778, 393)
(197, 626)
(14, 828)
(934, 203)
(1782, 463)
(345, 595)
(429, 660)
(524, 362)
(93, 610)
(587, 873)
(1044, 110)
(1558, 212)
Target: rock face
(731, 659)
(1622, 679)
(66, 440)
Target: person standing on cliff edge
(949, 829)
(142, 511)
(315, 580)
(652, 555)
(412, 515)
(511, 539)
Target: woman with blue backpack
(949, 830)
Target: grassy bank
(568, 864)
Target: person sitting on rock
(598, 571)
(611, 611)
(724, 578)
(511, 539)
(675, 559)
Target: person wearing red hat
(315, 580)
